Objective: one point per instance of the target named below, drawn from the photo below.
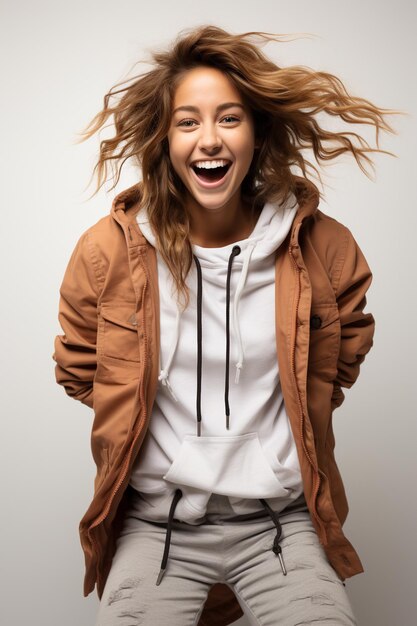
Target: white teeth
(211, 164)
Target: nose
(209, 138)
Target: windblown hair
(284, 101)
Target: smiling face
(211, 139)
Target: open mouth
(211, 175)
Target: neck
(218, 228)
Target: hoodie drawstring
(199, 342)
(276, 548)
(239, 289)
(235, 251)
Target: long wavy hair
(285, 103)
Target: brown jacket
(108, 359)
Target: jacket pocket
(236, 466)
(325, 332)
(117, 336)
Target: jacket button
(315, 321)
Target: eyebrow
(225, 105)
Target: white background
(58, 59)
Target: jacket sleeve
(75, 350)
(353, 278)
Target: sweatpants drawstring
(176, 498)
(276, 548)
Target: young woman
(211, 321)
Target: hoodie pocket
(236, 466)
(117, 333)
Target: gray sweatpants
(235, 550)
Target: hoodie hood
(270, 230)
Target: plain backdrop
(58, 59)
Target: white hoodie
(256, 457)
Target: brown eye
(186, 123)
(231, 117)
